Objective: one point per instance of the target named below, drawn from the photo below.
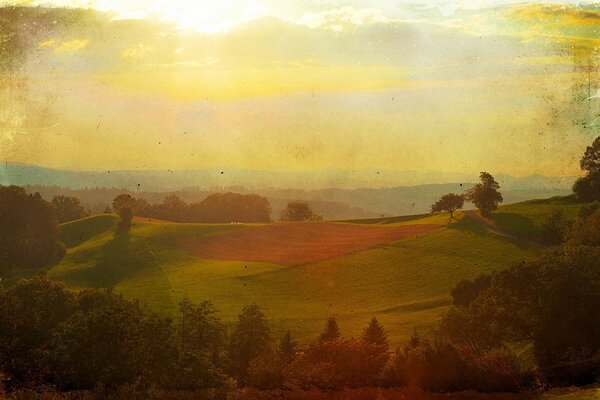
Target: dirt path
(489, 225)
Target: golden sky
(458, 86)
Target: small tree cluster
(587, 188)
(299, 211)
(217, 207)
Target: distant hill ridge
(356, 196)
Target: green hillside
(526, 219)
(404, 283)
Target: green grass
(526, 219)
(405, 283)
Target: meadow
(400, 269)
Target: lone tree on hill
(485, 195)
(299, 211)
(587, 188)
(449, 203)
(123, 201)
(331, 331)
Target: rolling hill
(398, 269)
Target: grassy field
(404, 282)
(526, 219)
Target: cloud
(72, 45)
(138, 52)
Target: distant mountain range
(208, 178)
(336, 194)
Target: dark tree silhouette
(28, 230)
(587, 188)
(123, 201)
(68, 208)
(485, 195)
(590, 162)
(331, 331)
(125, 218)
(554, 229)
(449, 203)
(375, 334)
(250, 337)
(298, 211)
(287, 348)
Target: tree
(466, 291)
(201, 341)
(485, 195)
(587, 188)
(586, 228)
(590, 162)
(331, 331)
(449, 203)
(123, 201)
(28, 230)
(554, 230)
(68, 208)
(298, 211)
(287, 348)
(125, 218)
(250, 337)
(31, 311)
(375, 334)
(231, 207)
(551, 302)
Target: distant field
(298, 243)
(402, 274)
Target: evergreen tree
(287, 347)
(250, 337)
(331, 331)
(375, 334)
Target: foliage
(466, 291)
(299, 211)
(439, 365)
(287, 348)
(449, 203)
(554, 230)
(68, 208)
(123, 201)
(125, 218)
(232, 207)
(333, 364)
(586, 228)
(552, 303)
(587, 188)
(375, 334)
(50, 335)
(485, 195)
(331, 330)
(250, 337)
(28, 231)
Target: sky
(451, 86)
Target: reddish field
(297, 243)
